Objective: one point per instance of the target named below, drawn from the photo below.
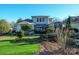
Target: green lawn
(24, 48)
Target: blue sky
(12, 12)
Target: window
(40, 19)
(37, 19)
(43, 19)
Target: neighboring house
(75, 22)
(75, 19)
(53, 22)
(41, 22)
(75, 25)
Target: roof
(28, 20)
(25, 22)
(39, 16)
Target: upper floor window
(37, 20)
(40, 19)
(43, 19)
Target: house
(75, 19)
(41, 23)
(75, 22)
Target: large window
(43, 19)
(37, 20)
(40, 19)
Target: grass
(13, 37)
(24, 48)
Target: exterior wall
(40, 27)
(35, 21)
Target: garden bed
(48, 48)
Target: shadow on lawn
(4, 40)
(22, 41)
(25, 41)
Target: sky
(12, 12)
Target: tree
(68, 23)
(67, 31)
(4, 26)
(27, 27)
(62, 37)
(19, 20)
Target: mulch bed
(52, 48)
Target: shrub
(70, 41)
(20, 34)
(75, 29)
(71, 37)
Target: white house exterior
(40, 22)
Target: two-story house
(41, 22)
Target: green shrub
(71, 37)
(70, 41)
(20, 34)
